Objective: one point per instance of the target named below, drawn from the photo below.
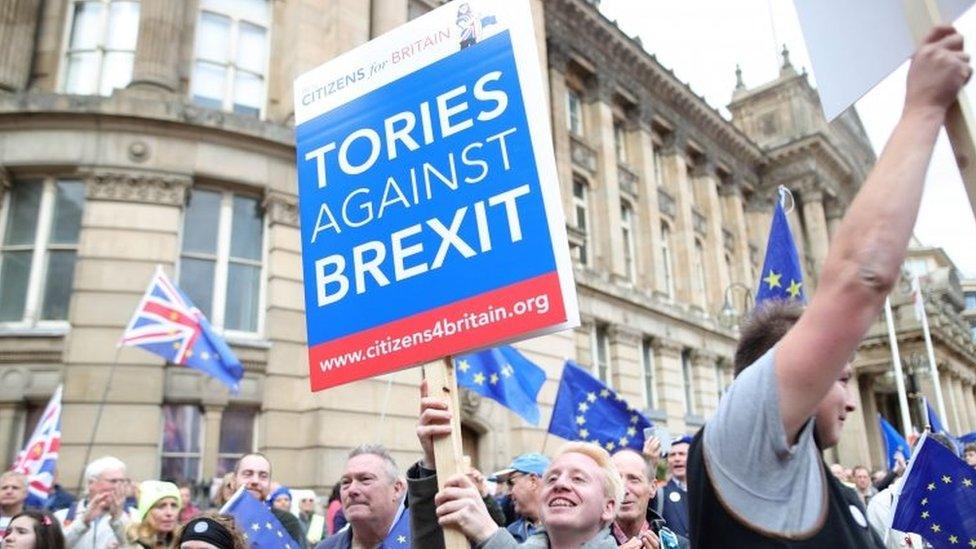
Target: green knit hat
(151, 491)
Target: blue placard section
(420, 194)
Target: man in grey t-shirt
(756, 476)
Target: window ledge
(250, 342)
(44, 331)
(656, 415)
(694, 420)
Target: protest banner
(854, 45)
(430, 215)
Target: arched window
(574, 112)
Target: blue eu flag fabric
(938, 497)
(505, 376)
(260, 527)
(781, 277)
(894, 442)
(399, 536)
(968, 438)
(934, 420)
(587, 410)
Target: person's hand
(900, 464)
(434, 422)
(478, 480)
(116, 504)
(645, 540)
(459, 505)
(98, 504)
(938, 71)
(652, 452)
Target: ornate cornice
(624, 335)
(281, 208)
(141, 187)
(667, 347)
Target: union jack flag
(39, 458)
(167, 323)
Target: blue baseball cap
(683, 439)
(532, 463)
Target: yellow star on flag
(623, 441)
(794, 289)
(604, 393)
(925, 514)
(936, 528)
(591, 397)
(580, 420)
(494, 379)
(930, 487)
(610, 446)
(967, 483)
(634, 418)
(947, 479)
(583, 407)
(773, 280)
(584, 433)
(507, 371)
(631, 431)
(972, 542)
(464, 366)
(479, 378)
(925, 501)
(953, 540)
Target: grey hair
(12, 474)
(380, 451)
(96, 468)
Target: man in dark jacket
(672, 498)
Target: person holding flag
(756, 472)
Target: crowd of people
(754, 476)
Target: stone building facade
(160, 132)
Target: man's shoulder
(340, 540)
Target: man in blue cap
(524, 479)
(672, 498)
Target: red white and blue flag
(39, 458)
(167, 323)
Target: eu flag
(167, 323)
(261, 528)
(399, 535)
(781, 277)
(589, 411)
(938, 497)
(505, 376)
(934, 422)
(893, 441)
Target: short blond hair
(613, 485)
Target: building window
(719, 379)
(101, 46)
(917, 266)
(658, 164)
(971, 300)
(667, 260)
(40, 221)
(231, 56)
(222, 258)
(972, 330)
(601, 354)
(700, 281)
(647, 361)
(620, 140)
(574, 112)
(582, 209)
(627, 230)
(236, 437)
(687, 374)
(182, 439)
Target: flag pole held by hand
(442, 382)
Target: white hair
(98, 467)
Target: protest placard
(430, 215)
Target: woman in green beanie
(158, 513)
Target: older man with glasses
(524, 480)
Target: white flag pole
(933, 368)
(906, 418)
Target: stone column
(626, 369)
(953, 422)
(558, 58)
(834, 210)
(211, 442)
(160, 25)
(9, 429)
(683, 233)
(970, 399)
(816, 231)
(962, 413)
(705, 387)
(870, 410)
(734, 214)
(18, 21)
(853, 446)
(607, 194)
(759, 216)
(670, 382)
(648, 235)
(386, 15)
(716, 273)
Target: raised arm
(865, 258)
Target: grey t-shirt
(766, 483)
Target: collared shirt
(621, 537)
(522, 529)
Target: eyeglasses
(510, 481)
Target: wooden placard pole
(442, 383)
(960, 124)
